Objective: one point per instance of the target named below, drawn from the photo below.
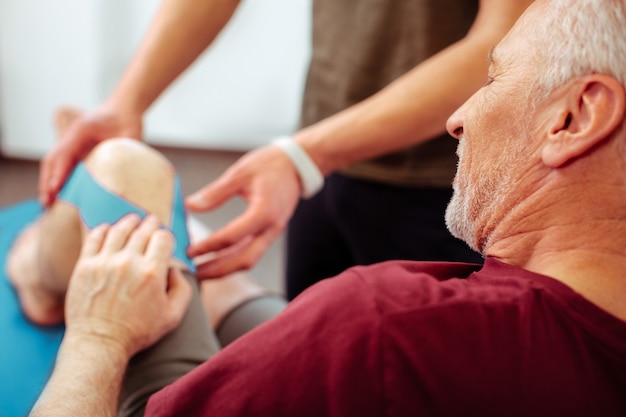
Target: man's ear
(590, 111)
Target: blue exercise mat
(27, 351)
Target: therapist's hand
(77, 137)
(267, 180)
(122, 293)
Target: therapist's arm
(179, 33)
(415, 107)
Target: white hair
(581, 37)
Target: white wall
(245, 89)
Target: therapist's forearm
(179, 33)
(411, 110)
(414, 108)
(86, 381)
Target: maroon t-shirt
(410, 339)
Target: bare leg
(43, 257)
(40, 283)
(40, 299)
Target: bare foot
(39, 304)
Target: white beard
(476, 200)
(457, 218)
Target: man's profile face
(495, 145)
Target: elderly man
(538, 331)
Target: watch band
(310, 176)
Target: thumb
(211, 196)
(54, 171)
(179, 293)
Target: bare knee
(136, 172)
(125, 153)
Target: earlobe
(591, 111)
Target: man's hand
(268, 181)
(79, 137)
(122, 292)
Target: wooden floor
(18, 182)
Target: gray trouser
(192, 343)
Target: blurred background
(243, 91)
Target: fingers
(138, 241)
(213, 195)
(238, 257)
(122, 285)
(143, 238)
(237, 180)
(133, 234)
(58, 164)
(119, 234)
(160, 248)
(179, 294)
(55, 169)
(251, 223)
(203, 199)
(267, 180)
(77, 139)
(93, 241)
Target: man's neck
(584, 246)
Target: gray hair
(585, 37)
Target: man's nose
(454, 125)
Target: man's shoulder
(442, 300)
(402, 286)
(440, 271)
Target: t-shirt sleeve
(321, 356)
